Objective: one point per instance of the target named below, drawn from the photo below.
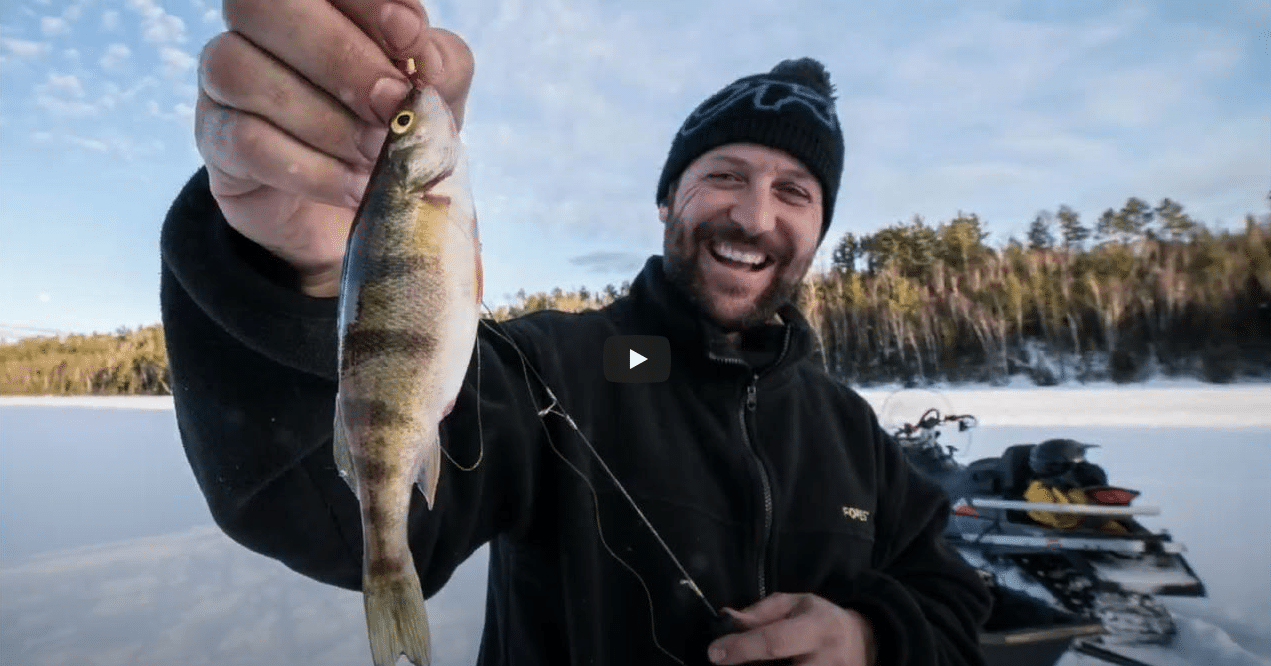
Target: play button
(637, 359)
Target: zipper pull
(750, 395)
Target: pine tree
(1039, 234)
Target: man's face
(741, 231)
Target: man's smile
(739, 256)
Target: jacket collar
(664, 306)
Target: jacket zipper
(748, 406)
(766, 534)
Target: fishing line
(480, 430)
(555, 408)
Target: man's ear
(663, 213)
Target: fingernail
(718, 654)
(356, 187)
(386, 94)
(370, 141)
(400, 26)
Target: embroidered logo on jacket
(856, 514)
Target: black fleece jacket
(760, 480)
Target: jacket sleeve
(925, 602)
(253, 365)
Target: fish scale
(410, 292)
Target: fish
(408, 312)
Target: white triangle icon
(636, 359)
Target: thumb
(449, 67)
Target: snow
(1155, 404)
(123, 565)
(161, 402)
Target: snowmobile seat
(1016, 472)
(985, 477)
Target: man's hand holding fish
(293, 106)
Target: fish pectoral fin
(430, 470)
(340, 444)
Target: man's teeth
(737, 254)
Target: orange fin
(480, 280)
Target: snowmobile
(1065, 576)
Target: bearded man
(782, 503)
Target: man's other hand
(803, 627)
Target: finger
(790, 637)
(772, 607)
(324, 46)
(450, 70)
(403, 30)
(251, 151)
(236, 74)
(399, 27)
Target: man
(772, 483)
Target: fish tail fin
(430, 473)
(396, 619)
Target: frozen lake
(108, 555)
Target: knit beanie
(790, 108)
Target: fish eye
(402, 121)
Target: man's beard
(681, 262)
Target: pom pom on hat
(808, 72)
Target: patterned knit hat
(791, 108)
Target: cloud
(158, 26)
(176, 62)
(54, 25)
(180, 112)
(110, 20)
(114, 95)
(61, 83)
(74, 10)
(67, 108)
(23, 48)
(625, 263)
(113, 143)
(116, 55)
(63, 95)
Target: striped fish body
(408, 314)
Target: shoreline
(1150, 404)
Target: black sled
(1087, 579)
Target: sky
(998, 108)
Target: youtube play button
(637, 359)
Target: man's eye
(797, 192)
(722, 175)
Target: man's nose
(755, 212)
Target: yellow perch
(409, 307)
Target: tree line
(1143, 290)
(126, 362)
(1146, 290)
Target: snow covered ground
(108, 555)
